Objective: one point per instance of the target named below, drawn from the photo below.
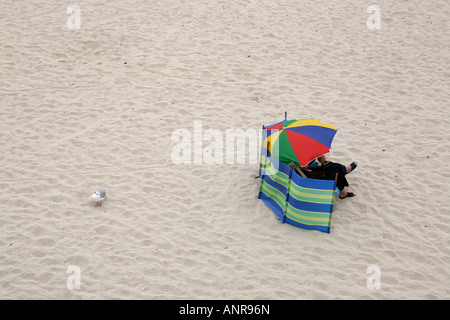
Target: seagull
(99, 196)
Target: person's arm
(322, 159)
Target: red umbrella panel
(300, 141)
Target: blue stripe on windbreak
(276, 185)
(310, 206)
(313, 183)
(306, 226)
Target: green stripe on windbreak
(306, 219)
(273, 172)
(311, 190)
(270, 197)
(274, 194)
(280, 177)
(310, 214)
(307, 222)
(311, 199)
(307, 193)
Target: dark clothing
(327, 171)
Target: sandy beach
(95, 102)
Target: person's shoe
(353, 165)
(348, 195)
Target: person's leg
(341, 171)
(342, 182)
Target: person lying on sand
(320, 168)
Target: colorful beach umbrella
(300, 141)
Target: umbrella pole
(298, 169)
(335, 182)
(263, 176)
(263, 127)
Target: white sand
(75, 118)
